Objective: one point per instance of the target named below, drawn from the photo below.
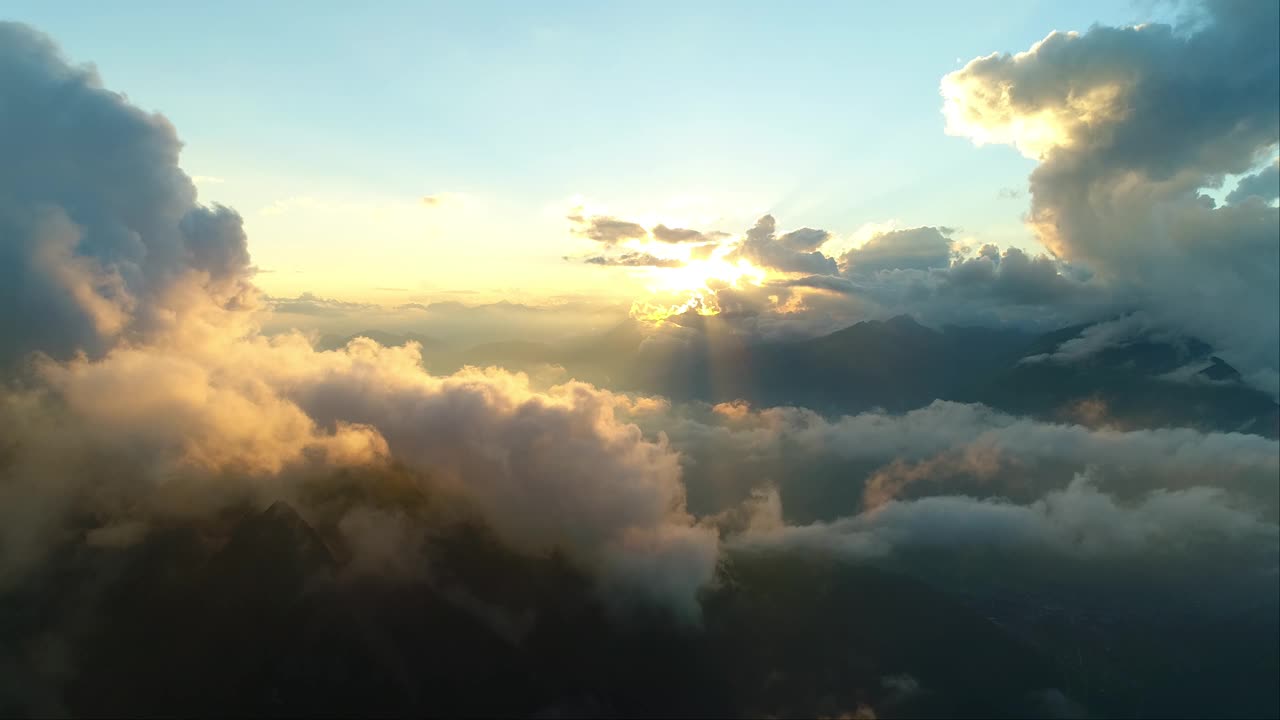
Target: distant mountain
(387, 339)
(1219, 370)
(1130, 386)
(453, 306)
(898, 365)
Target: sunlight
(696, 274)
(701, 302)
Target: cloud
(1106, 335)
(832, 466)
(1129, 125)
(192, 429)
(916, 271)
(762, 247)
(1079, 520)
(919, 248)
(634, 259)
(678, 235)
(1013, 278)
(152, 396)
(804, 239)
(608, 230)
(101, 237)
(180, 407)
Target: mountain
(898, 365)
(1130, 386)
(1219, 370)
(267, 623)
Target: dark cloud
(1129, 125)
(804, 239)
(634, 259)
(1014, 277)
(763, 248)
(608, 230)
(821, 282)
(919, 248)
(915, 271)
(100, 231)
(677, 235)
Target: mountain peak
(282, 511)
(1220, 370)
(902, 321)
(275, 549)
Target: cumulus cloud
(919, 248)
(152, 395)
(101, 236)
(849, 463)
(792, 253)
(1129, 125)
(916, 271)
(1013, 278)
(194, 428)
(804, 239)
(1079, 520)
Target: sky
(325, 125)
(1069, 224)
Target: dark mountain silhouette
(267, 622)
(1220, 370)
(898, 365)
(1130, 387)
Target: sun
(693, 286)
(707, 274)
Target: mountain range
(898, 365)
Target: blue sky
(322, 120)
